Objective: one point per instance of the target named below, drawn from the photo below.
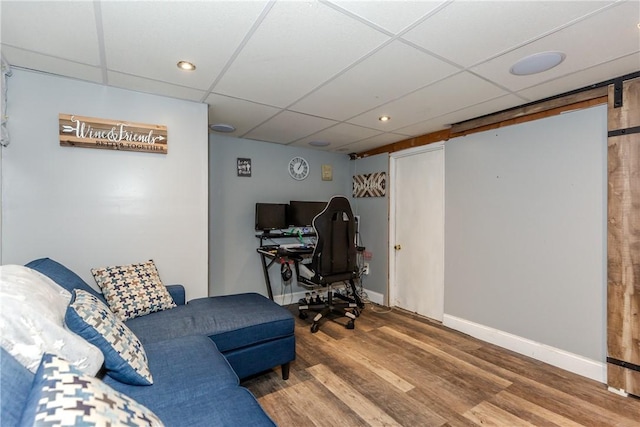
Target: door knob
(397, 247)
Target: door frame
(393, 157)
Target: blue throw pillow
(61, 395)
(124, 356)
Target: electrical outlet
(365, 269)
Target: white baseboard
(294, 297)
(375, 297)
(554, 356)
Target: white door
(417, 231)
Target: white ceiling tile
(288, 126)
(616, 68)
(387, 14)
(338, 135)
(391, 72)
(616, 36)
(149, 38)
(371, 143)
(298, 46)
(60, 29)
(467, 32)
(335, 60)
(451, 94)
(446, 120)
(241, 114)
(48, 64)
(141, 84)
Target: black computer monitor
(301, 214)
(271, 216)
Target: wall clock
(298, 168)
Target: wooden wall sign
(370, 185)
(91, 132)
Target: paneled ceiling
(293, 72)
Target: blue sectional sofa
(197, 352)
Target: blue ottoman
(251, 331)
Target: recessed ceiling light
(384, 118)
(187, 66)
(319, 143)
(537, 63)
(222, 127)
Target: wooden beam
(524, 114)
(441, 135)
(529, 109)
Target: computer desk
(278, 253)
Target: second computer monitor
(301, 214)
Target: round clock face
(298, 168)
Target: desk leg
(265, 270)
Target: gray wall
(525, 230)
(374, 224)
(234, 264)
(92, 208)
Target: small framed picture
(327, 173)
(244, 167)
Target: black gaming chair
(334, 261)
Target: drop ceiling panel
(48, 64)
(371, 143)
(469, 32)
(451, 94)
(391, 72)
(205, 33)
(241, 114)
(332, 62)
(64, 30)
(387, 14)
(288, 126)
(298, 46)
(617, 36)
(141, 84)
(616, 68)
(338, 135)
(446, 120)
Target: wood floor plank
(400, 369)
(369, 412)
(572, 407)
(531, 412)
(459, 364)
(316, 403)
(487, 414)
(367, 363)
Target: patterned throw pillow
(133, 290)
(124, 356)
(61, 395)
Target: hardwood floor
(397, 369)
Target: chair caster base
(303, 315)
(351, 324)
(315, 327)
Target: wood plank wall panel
(623, 241)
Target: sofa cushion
(15, 383)
(32, 308)
(62, 395)
(233, 407)
(124, 356)
(186, 370)
(62, 275)
(232, 321)
(133, 290)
